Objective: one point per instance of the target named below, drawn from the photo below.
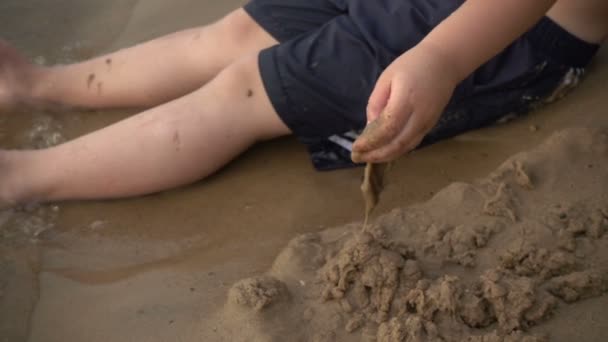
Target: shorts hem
(276, 92)
(559, 45)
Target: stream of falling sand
(372, 186)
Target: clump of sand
(479, 262)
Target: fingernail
(358, 146)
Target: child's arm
(480, 29)
(412, 92)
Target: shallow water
(154, 268)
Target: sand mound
(478, 262)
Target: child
(421, 70)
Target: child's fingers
(379, 98)
(388, 125)
(388, 153)
(416, 128)
(407, 140)
(366, 139)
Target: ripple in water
(25, 225)
(45, 132)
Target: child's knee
(242, 88)
(235, 24)
(240, 32)
(241, 78)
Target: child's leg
(167, 146)
(145, 75)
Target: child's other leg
(141, 76)
(167, 146)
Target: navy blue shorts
(331, 53)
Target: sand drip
(489, 261)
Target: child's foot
(15, 77)
(5, 200)
(5, 191)
(10, 192)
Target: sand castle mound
(478, 262)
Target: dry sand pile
(489, 261)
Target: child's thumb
(378, 99)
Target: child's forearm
(480, 29)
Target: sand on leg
(145, 75)
(167, 146)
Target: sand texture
(479, 262)
(160, 268)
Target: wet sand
(159, 268)
(488, 261)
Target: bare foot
(11, 185)
(16, 74)
(5, 188)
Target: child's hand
(405, 105)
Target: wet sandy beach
(158, 268)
